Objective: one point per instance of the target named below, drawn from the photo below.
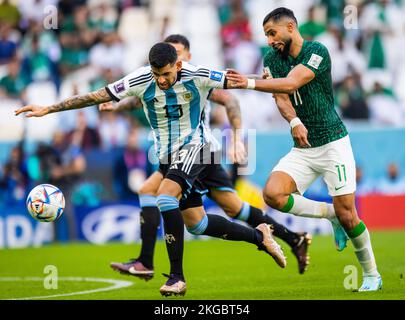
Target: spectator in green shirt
(311, 28)
(12, 85)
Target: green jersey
(312, 102)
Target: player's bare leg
(235, 208)
(356, 229)
(281, 193)
(142, 267)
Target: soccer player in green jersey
(298, 73)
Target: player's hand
(33, 111)
(266, 74)
(106, 106)
(236, 80)
(300, 134)
(237, 152)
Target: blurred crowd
(364, 39)
(53, 49)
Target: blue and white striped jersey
(176, 115)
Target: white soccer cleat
(271, 246)
(175, 285)
(371, 283)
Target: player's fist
(235, 79)
(32, 111)
(106, 106)
(266, 74)
(237, 152)
(300, 134)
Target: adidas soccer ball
(45, 203)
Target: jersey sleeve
(130, 85)
(316, 58)
(211, 79)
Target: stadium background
(95, 42)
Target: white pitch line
(117, 284)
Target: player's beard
(286, 49)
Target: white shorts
(334, 161)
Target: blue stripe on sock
(166, 203)
(244, 212)
(200, 227)
(147, 200)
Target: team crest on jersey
(119, 87)
(216, 75)
(188, 96)
(315, 61)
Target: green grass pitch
(214, 269)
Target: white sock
(364, 253)
(304, 207)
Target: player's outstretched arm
(298, 130)
(237, 152)
(298, 77)
(75, 102)
(126, 104)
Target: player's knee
(273, 198)
(232, 209)
(231, 213)
(166, 202)
(149, 187)
(146, 190)
(228, 201)
(200, 227)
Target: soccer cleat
(175, 285)
(133, 267)
(339, 234)
(300, 250)
(371, 283)
(270, 245)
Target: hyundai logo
(116, 222)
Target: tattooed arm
(231, 103)
(126, 104)
(75, 102)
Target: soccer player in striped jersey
(173, 94)
(299, 75)
(217, 182)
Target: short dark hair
(162, 54)
(278, 14)
(178, 38)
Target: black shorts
(185, 169)
(215, 177)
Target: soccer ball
(45, 203)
